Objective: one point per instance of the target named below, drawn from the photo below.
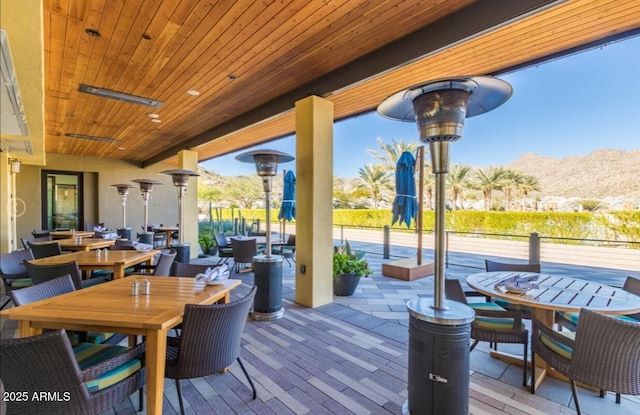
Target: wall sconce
(15, 165)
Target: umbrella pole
(420, 165)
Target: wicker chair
(493, 323)
(42, 273)
(13, 272)
(225, 250)
(287, 251)
(210, 341)
(570, 320)
(47, 363)
(492, 266)
(605, 354)
(45, 250)
(243, 252)
(161, 268)
(40, 233)
(181, 269)
(25, 241)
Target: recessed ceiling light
(120, 148)
(232, 77)
(152, 115)
(193, 92)
(156, 120)
(146, 36)
(93, 32)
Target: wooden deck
(337, 360)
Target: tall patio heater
(180, 181)
(267, 304)
(146, 186)
(439, 333)
(123, 191)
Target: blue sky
(567, 107)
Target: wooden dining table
(116, 261)
(80, 243)
(71, 234)
(110, 307)
(168, 230)
(555, 293)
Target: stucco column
(314, 201)
(188, 160)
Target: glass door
(62, 198)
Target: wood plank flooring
(336, 360)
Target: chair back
(244, 250)
(25, 241)
(122, 245)
(221, 240)
(43, 273)
(606, 354)
(163, 266)
(291, 240)
(632, 285)
(45, 250)
(92, 226)
(210, 338)
(181, 269)
(12, 263)
(491, 266)
(453, 291)
(42, 291)
(40, 233)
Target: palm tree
(458, 181)
(528, 183)
(376, 180)
(510, 180)
(488, 180)
(391, 153)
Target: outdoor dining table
(555, 293)
(116, 261)
(71, 234)
(110, 307)
(168, 230)
(80, 244)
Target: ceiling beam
(457, 27)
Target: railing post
(386, 240)
(534, 248)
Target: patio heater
(267, 303)
(180, 181)
(439, 332)
(146, 186)
(123, 191)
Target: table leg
(547, 317)
(26, 330)
(156, 350)
(118, 271)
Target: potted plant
(207, 243)
(348, 268)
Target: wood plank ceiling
(251, 60)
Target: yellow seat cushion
(557, 347)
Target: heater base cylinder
(146, 238)
(183, 253)
(124, 233)
(267, 304)
(439, 341)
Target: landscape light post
(439, 109)
(267, 267)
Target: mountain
(603, 173)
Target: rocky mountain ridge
(601, 174)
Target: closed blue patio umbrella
(405, 205)
(288, 208)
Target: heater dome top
(485, 94)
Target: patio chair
(287, 251)
(492, 266)
(161, 268)
(123, 245)
(42, 273)
(182, 269)
(209, 342)
(25, 241)
(604, 355)
(93, 226)
(243, 252)
(45, 250)
(88, 380)
(225, 250)
(40, 233)
(570, 320)
(493, 323)
(13, 272)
